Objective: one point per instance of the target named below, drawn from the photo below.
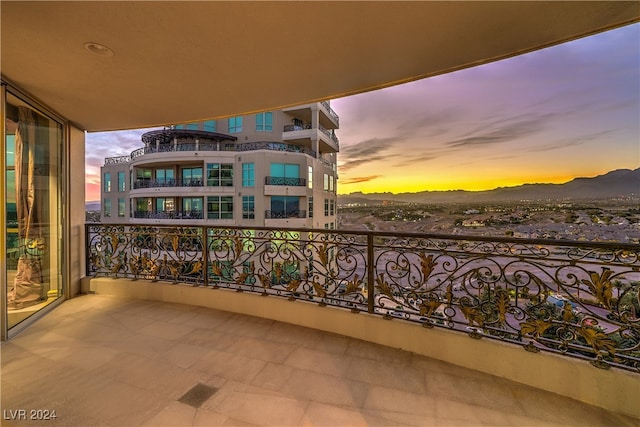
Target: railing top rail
(213, 146)
(455, 237)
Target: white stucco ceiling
(186, 61)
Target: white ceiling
(184, 61)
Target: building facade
(272, 169)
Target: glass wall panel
(33, 210)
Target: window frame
(219, 178)
(219, 213)
(106, 184)
(248, 207)
(248, 174)
(264, 122)
(234, 124)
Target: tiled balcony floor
(105, 361)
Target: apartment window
(192, 177)
(121, 207)
(331, 183)
(122, 184)
(285, 170)
(284, 206)
(329, 207)
(165, 176)
(192, 206)
(311, 207)
(264, 122)
(248, 174)
(107, 208)
(210, 125)
(143, 174)
(220, 207)
(326, 182)
(220, 175)
(310, 176)
(248, 207)
(143, 204)
(107, 182)
(165, 204)
(235, 124)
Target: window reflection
(33, 171)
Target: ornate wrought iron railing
(169, 214)
(281, 180)
(575, 298)
(211, 146)
(169, 182)
(294, 128)
(117, 160)
(283, 214)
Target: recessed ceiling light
(98, 49)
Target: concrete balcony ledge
(614, 390)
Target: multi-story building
(272, 169)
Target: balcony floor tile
(107, 361)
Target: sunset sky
(547, 116)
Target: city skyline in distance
(545, 117)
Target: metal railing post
(370, 272)
(87, 254)
(205, 254)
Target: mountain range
(617, 183)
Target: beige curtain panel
(27, 288)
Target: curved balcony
(182, 147)
(549, 307)
(166, 363)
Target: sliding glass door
(33, 185)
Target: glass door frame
(64, 253)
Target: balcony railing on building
(155, 183)
(117, 160)
(332, 113)
(222, 146)
(329, 133)
(194, 214)
(280, 180)
(284, 214)
(577, 299)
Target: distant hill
(92, 206)
(617, 183)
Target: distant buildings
(273, 169)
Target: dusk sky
(545, 117)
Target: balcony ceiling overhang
(179, 61)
